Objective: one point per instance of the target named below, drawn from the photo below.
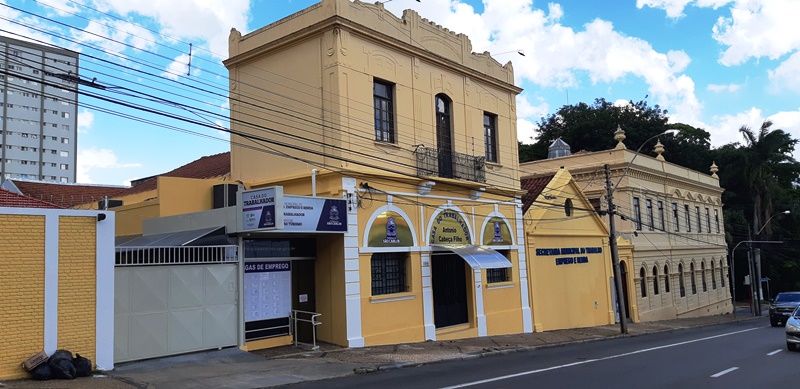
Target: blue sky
(714, 64)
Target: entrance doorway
(623, 275)
(303, 296)
(449, 283)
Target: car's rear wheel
(791, 346)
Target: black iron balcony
(433, 163)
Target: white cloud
(758, 28)
(527, 116)
(85, 121)
(177, 68)
(787, 75)
(59, 7)
(674, 8)
(717, 88)
(94, 158)
(189, 20)
(726, 127)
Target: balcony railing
(432, 163)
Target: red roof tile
(210, 166)
(67, 195)
(534, 186)
(11, 199)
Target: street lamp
(733, 270)
(612, 238)
(757, 260)
(520, 52)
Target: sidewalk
(233, 368)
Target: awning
(479, 257)
(172, 239)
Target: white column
(51, 283)
(352, 286)
(427, 298)
(104, 315)
(479, 302)
(527, 318)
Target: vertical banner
(262, 208)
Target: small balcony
(433, 163)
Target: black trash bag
(61, 365)
(42, 372)
(83, 366)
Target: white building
(39, 112)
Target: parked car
(793, 330)
(781, 308)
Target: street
(745, 354)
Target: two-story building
(671, 215)
(417, 135)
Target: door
(623, 273)
(303, 296)
(449, 282)
(444, 140)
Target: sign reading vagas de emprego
(262, 208)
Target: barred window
(388, 273)
(501, 274)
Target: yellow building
(407, 135)
(569, 262)
(56, 282)
(673, 219)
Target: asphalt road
(748, 354)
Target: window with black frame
(490, 136)
(384, 111)
(389, 273)
(499, 275)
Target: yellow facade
(569, 261)
(77, 246)
(49, 286)
(22, 291)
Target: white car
(793, 330)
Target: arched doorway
(623, 274)
(444, 138)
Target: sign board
(314, 214)
(267, 290)
(262, 208)
(496, 232)
(390, 229)
(449, 228)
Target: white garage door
(163, 309)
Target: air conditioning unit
(224, 195)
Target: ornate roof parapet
(658, 149)
(619, 136)
(714, 169)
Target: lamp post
(733, 271)
(612, 233)
(757, 260)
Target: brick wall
(76, 284)
(22, 245)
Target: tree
(768, 161)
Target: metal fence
(432, 163)
(189, 255)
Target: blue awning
(478, 257)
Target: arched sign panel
(449, 228)
(390, 229)
(496, 233)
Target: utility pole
(612, 244)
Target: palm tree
(767, 158)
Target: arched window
(721, 274)
(703, 275)
(694, 278)
(444, 137)
(655, 280)
(681, 281)
(666, 279)
(643, 281)
(713, 276)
